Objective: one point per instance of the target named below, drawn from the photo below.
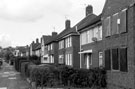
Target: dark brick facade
(118, 79)
(74, 49)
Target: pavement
(10, 79)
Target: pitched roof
(46, 38)
(38, 46)
(84, 22)
(52, 39)
(21, 49)
(34, 46)
(66, 32)
(92, 22)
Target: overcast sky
(22, 21)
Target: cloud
(5, 40)
(31, 10)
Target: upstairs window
(61, 44)
(87, 36)
(123, 21)
(107, 28)
(68, 42)
(115, 24)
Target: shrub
(17, 61)
(61, 75)
(23, 68)
(35, 59)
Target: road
(10, 79)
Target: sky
(22, 21)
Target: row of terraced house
(106, 40)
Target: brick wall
(117, 79)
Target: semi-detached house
(68, 46)
(52, 49)
(91, 51)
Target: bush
(35, 59)
(17, 62)
(23, 68)
(61, 75)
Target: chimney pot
(89, 10)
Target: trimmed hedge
(17, 62)
(23, 68)
(60, 75)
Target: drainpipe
(80, 48)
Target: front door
(87, 60)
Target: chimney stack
(54, 34)
(37, 41)
(33, 42)
(89, 10)
(67, 24)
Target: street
(10, 79)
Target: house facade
(38, 50)
(91, 51)
(33, 47)
(118, 43)
(44, 49)
(52, 49)
(68, 46)
(20, 51)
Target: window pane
(123, 21)
(90, 35)
(100, 59)
(115, 59)
(114, 24)
(100, 33)
(123, 60)
(107, 26)
(108, 60)
(96, 32)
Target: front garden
(60, 76)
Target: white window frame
(100, 59)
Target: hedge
(24, 68)
(17, 62)
(60, 75)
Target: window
(108, 59)
(100, 59)
(115, 59)
(107, 28)
(123, 60)
(86, 37)
(69, 59)
(61, 44)
(83, 38)
(68, 42)
(51, 46)
(115, 24)
(100, 33)
(123, 21)
(51, 59)
(61, 59)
